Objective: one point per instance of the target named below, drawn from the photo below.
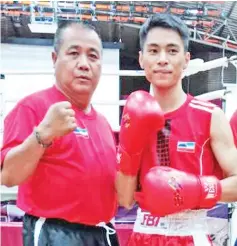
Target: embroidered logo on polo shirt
(186, 146)
(81, 132)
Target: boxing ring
(221, 219)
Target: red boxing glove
(141, 118)
(166, 190)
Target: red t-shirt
(184, 142)
(233, 124)
(75, 177)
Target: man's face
(163, 57)
(78, 61)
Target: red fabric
(233, 123)
(11, 234)
(138, 239)
(124, 232)
(189, 123)
(74, 179)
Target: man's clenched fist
(58, 121)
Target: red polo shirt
(75, 177)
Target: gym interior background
(213, 27)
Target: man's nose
(82, 62)
(162, 58)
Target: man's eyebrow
(78, 46)
(173, 45)
(73, 47)
(153, 44)
(169, 45)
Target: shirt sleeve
(18, 125)
(233, 124)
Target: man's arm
(21, 161)
(224, 149)
(21, 151)
(16, 153)
(126, 186)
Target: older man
(61, 152)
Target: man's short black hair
(58, 37)
(165, 20)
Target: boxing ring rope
(195, 66)
(219, 94)
(129, 73)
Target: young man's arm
(224, 149)
(233, 124)
(142, 117)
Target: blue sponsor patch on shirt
(186, 146)
(83, 132)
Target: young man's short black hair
(165, 20)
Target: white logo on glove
(210, 189)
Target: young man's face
(163, 57)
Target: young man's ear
(141, 59)
(187, 59)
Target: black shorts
(56, 232)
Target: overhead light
(43, 28)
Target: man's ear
(54, 57)
(141, 59)
(187, 59)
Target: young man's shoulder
(200, 104)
